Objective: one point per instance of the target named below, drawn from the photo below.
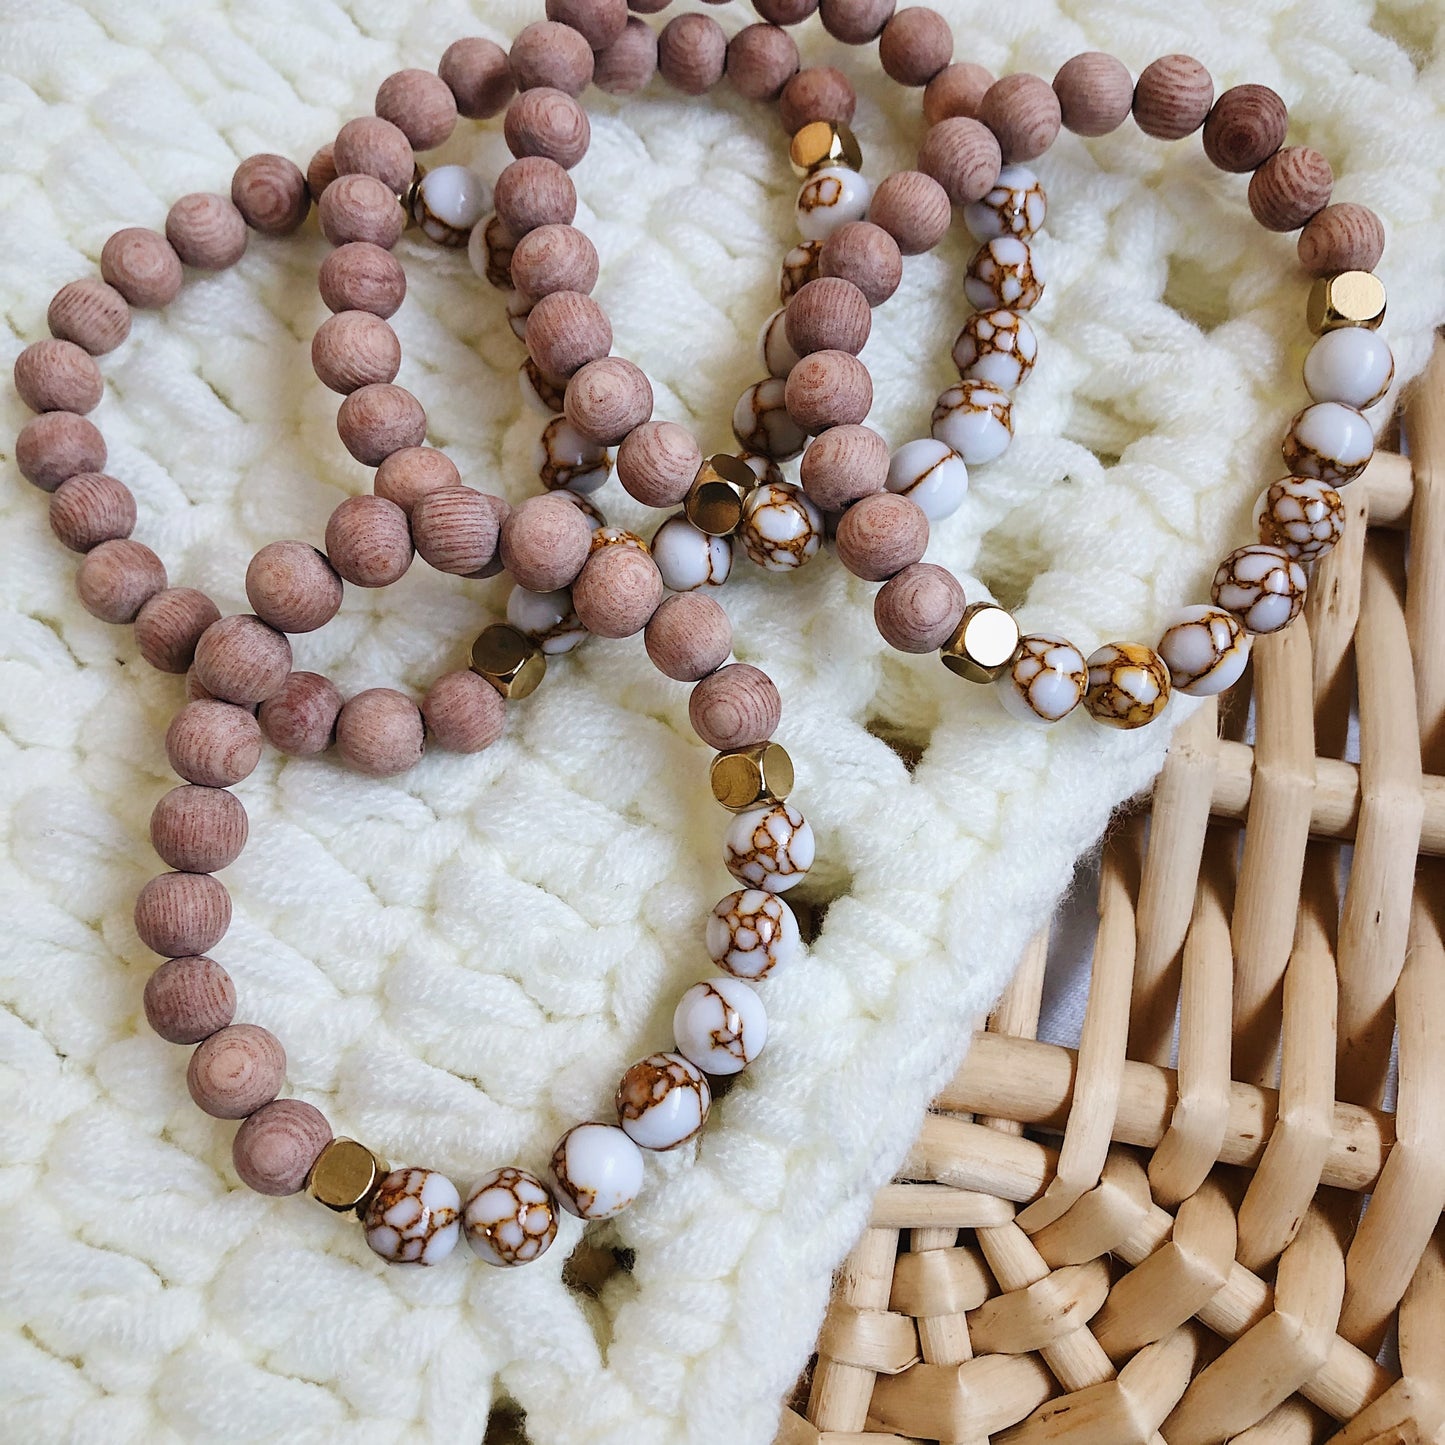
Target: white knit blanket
(462, 960)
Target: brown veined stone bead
(843, 465)
(598, 22)
(549, 53)
(213, 744)
(817, 92)
(1023, 113)
(881, 535)
(271, 194)
(544, 542)
(1342, 237)
(455, 529)
(380, 732)
(919, 609)
(1172, 97)
(353, 349)
(914, 209)
(321, 170)
(547, 122)
(197, 829)
(116, 579)
(916, 44)
(179, 915)
(957, 90)
(1245, 127)
(143, 266)
(371, 146)
(865, 254)
(565, 331)
(91, 508)
(533, 191)
(360, 208)
(608, 399)
(1292, 186)
(92, 314)
(554, 258)
(855, 22)
(692, 53)
(1096, 94)
(242, 659)
(170, 625)
(293, 587)
(420, 105)
(237, 1070)
(408, 475)
(369, 542)
(207, 231)
(688, 637)
(300, 718)
(189, 999)
(274, 1149)
(963, 156)
(361, 276)
(54, 375)
(376, 420)
(658, 463)
(735, 707)
(629, 62)
(479, 76)
(828, 388)
(829, 314)
(617, 591)
(58, 445)
(761, 60)
(464, 712)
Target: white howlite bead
(508, 1218)
(1047, 681)
(999, 347)
(1351, 364)
(1263, 586)
(519, 308)
(721, 1025)
(566, 460)
(545, 400)
(414, 1217)
(752, 932)
(830, 198)
(976, 420)
(547, 618)
(1301, 515)
(663, 1101)
(449, 202)
(778, 356)
(1205, 650)
(1004, 274)
(781, 528)
(1016, 206)
(597, 1170)
(762, 424)
(770, 848)
(1329, 440)
(931, 474)
(765, 469)
(689, 558)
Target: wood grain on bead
(236, 1070)
(963, 156)
(91, 508)
(116, 579)
(919, 608)
(957, 90)
(479, 76)
(855, 22)
(320, 171)
(533, 191)
(735, 707)
(300, 717)
(371, 146)
(58, 445)
(761, 60)
(464, 712)
(551, 54)
(170, 625)
(785, 12)
(420, 105)
(817, 92)
(692, 53)
(598, 22)
(881, 535)
(865, 254)
(92, 314)
(1172, 97)
(380, 732)
(829, 314)
(292, 586)
(242, 659)
(271, 194)
(408, 475)
(554, 258)
(544, 543)
(565, 331)
(1293, 185)
(180, 914)
(360, 208)
(843, 465)
(915, 45)
(828, 388)
(658, 463)
(361, 276)
(1341, 237)
(1023, 113)
(379, 419)
(53, 375)
(368, 540)
(688, 637)
(198, 829)
(274, 1149)
(607, 399)
(547, 122)
(206, 231)
(353, 349)
(1245, 127)
(1096, 93)
(213, 744)
(189, 999)
(143, 266)
(617, 591)
(455, 529)
(626, 65)
(913, 209)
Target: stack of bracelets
(575, 575)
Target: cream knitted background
(460, 961)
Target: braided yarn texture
(460, 962)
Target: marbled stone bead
(1004, 274)
(829, 199)
(197, 829)
(597, 1170)
(548, 618)
(448, 203)
(801, 264)
(300, 719)
(1046, 681)
(662, 1101)
(567, 459)
(931, 474)
(490, 250)
(761, 421)
(975, 419)
(1261, 585)
(770, 848)
(1351, 364)
(236, 1070)
(1329, 440)
(781, 528)
(1128, 685)
(414, 1217)
(751, 932)
(509, 1217)
(1015, 206)
(1205, 650)
(998, 347)
(774, 348)
(274, 1148)
(689, 558)
(189, 999)
(721, 1026)
(1302, 516)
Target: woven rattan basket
(1089, 1244)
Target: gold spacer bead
(510, 661)
(985, 644)
(744, 778)
(345, 1176)
(409, 196)
(714, 502)
(824, 143)
(1351, 298)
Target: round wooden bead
(629, 62)
(881, 535)
(198, 829)
(371, 146)
(761, 60)
(380, 732)
(58, 445)
(1095, 93)
(554, 258)
(547, 122)
(353, 349)
(598, 22)
(843, 465)
(607, 399)
(189, 999)
(271, 194)
(92, 314)
(479, 76)
(236, 1070)
(688, 637)
(735, 707)
(829, 314)
(181, 914)
(817, 92)
(913, 209)
(919, 608)
(1172, 97)
(957, 90)
(274, 1149)
(1290, 187)
(534, 191)
(91, 508)
(54, 375)
(456, 529)
(420, 105)
(855, 22)
(692, 53)
(143, 266)
(658, 462)
(464, 712)
(369, 541)
(1342, 237)
(360, 208)
(915, 45)
(207, 231)
(241, 659)
(361, 276)
(300, 717)
(213, 744)
(828, 388)
(408, 475)
(1023, 113)
(321, 170)
(544, 542)
(863, 253)
(565, 331)
(617, 591)
(785, 12)
(963, 156)
(1245, 127)
(115, 579)
(549, 53)
(170, 625)
(379, 419)
(293, 587)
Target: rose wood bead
(371, 146)
(735, 707)
(828, 388)
(179, 915)
(919, 609)
(1095, 94)
(1245, 127)
(547, 122)
(456, 529)
(1172, 97)
(53, 375)
(554, 258)
(1293, 185)
(92, 314)
(598, 22)
(1342, 237)
(300, 718)
(1023, 113)
(607, 399)
(58, 445)
(855, 22)
(761, 60)
(479, 76)
(420, 105)
(544, 542)
(189, 999)
(116, 579)
(361, 276)
(270, 193)
(360, 208)
(629, 62)
(843, 465)
(914, 209)
(915, 45)
(464, 712)
(369, 541)
(534, 191)
(658, 462)
(376, 420)
(213, 744)
(353, 349)
(692, 53)
(170, 625)
(242, 659)
(963, 156)
(881, 535)
(274, 1149)
(321, 170)
(408, 475)
(785, 12)
(957, 90)
(236, 1070)
(549, 53)
(863, 253)
(292, 586)
(817, 92)
(565, 331)
(829, 314)
(198, 830)
(380, 732)
(143, 266)
(617, 591)
(688, 637)
(91, 508)
(207, 231)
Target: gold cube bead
(345, 1176)
(824, 143)
(714, 502)
(744, 778)
(509, 660)
(1351, 298)
(984, 645)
